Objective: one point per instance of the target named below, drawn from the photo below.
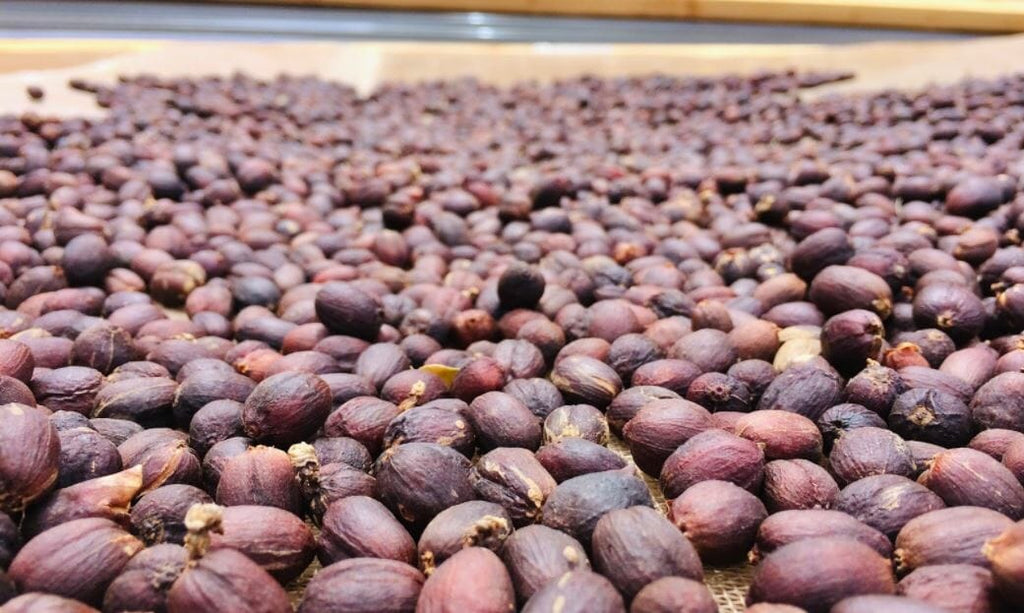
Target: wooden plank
(48, 53)
(950, 15)
(365, 65)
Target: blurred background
(574, 21)
(885, 43)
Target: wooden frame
(951, 15)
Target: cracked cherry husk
(221, 579)
(918, 377)
(932, 344)
(807, 389)
(576, 505)
(883, 603)
(903, 355)
(369, 584)
(204, 387)
(479, 376)
(957, 587)
(876, 388)
(519, 359)
(999, 403)
(787, 527)
(950, 308)
(12, 390)
(782, 434)
(286, 408)
(215, 422)
(931, 416)
(669, 375)
(117, 431)
(103, 347)
(637, 545)
(364, 419)
(159, 516)
(77, 559)
(1005, 553)
(586, 380)
(475, 523)
(539, 395)
(427, 424)
(887, 502)
(862, 452)
(717, 391)
(419, 480)
(35, 602)
(719, 518)
(345, 386)
(164, 455)
(828, 246)
(577, 591)
(513, 478)
(261, 476)
(757, 375)
(974, 365)
(842, 418)
(146, 401)
(474, 579)
(660, 427)
(815, 574)
(321, 485)
(381, 361)
(843, 288)
(29, 456)
(713, 454)
(968, 477)
(520, 286)
(670, 594)
(346, 309)
(572, 457)
(85, 454)
(71, 388)
(499, 420)
(995, 441)
(797, 484)
(361, 527)
(851, 338)
(281, 543)
(709, 349)
(17, 361)
(631, 351)
(217, 457)
(145, 579)
(342, 450)
(627, 404)
(1013, 459)
(576, 421)
(536, 555)
(755, 339)
(414, 387)
(955, 535)
(107, 497)
(68, 420)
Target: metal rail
(45, 18)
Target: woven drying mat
(298, 587)
(728, 584)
